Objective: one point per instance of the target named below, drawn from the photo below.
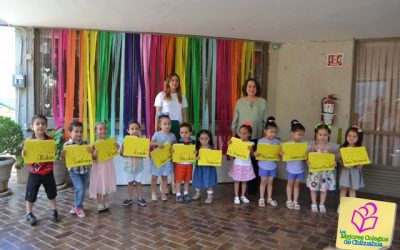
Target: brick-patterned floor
(168, 225)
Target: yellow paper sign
(365, 224)
(209, 157)
(161, 156)
(135, 146)
(268, 152)
(183, 153)
(238, 149)
(353, 156)
(106, 149)
(321, 162)
(37, 151)
(294, 151)
(77, 155)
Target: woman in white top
(171, 101)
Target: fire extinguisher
(328, 109)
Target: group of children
(103, 180)
(350, 178)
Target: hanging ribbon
(188, 79)
(121, 90)
(58, 102)
(196, 65)
(83, 92)
(115, 73)
(103, 71)
(139, 91)
(91, 55)
(170, 55)
(223, 91)
(146, 43)
(213, 43)
(70, 79)
(54, 58)
(180, 60)
(237, 48)
(152, 76)
(128, 108)
(247, 69)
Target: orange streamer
(70, 88)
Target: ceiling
(264, 20)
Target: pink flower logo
(363, 218)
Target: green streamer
(106, 44)
(196, 66)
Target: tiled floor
(168, 225)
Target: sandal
(196, 196)
(314, 208)
(296, 205)
(272, 202)
(322, 209)
(209, 199)
(289, 204)
(261, 202)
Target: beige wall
(299, 79)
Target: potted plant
(11, 138)
(60, 171)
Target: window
(377, 99)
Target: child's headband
(247, 123)
(358, 128)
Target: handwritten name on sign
(136, 147)
(365, 224)
(106, 149)
(77, 155)
(209, 157)
(294, 151)
(37, 151)
(268, 152)
(161, 156)
(321, 162)
(353, 156)
(183, 153)
(238, 149)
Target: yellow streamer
(247, 67)
(180, 60)
(85, 87)
(91, 84)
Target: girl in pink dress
(102, 176)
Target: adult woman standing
(171, 101)
(251, 108)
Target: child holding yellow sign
(204, 176)
(325, 180)
(184, 169)
(40, 173)
(133, 168)
(80, 174)
(242, 170)
(159, 139)
(102, 176)
(351, 178)
(295, 169)
(267, 168)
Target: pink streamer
(145, 43)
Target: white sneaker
(236, 201)
(100, 207)
(72, 211)
(244, 200)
